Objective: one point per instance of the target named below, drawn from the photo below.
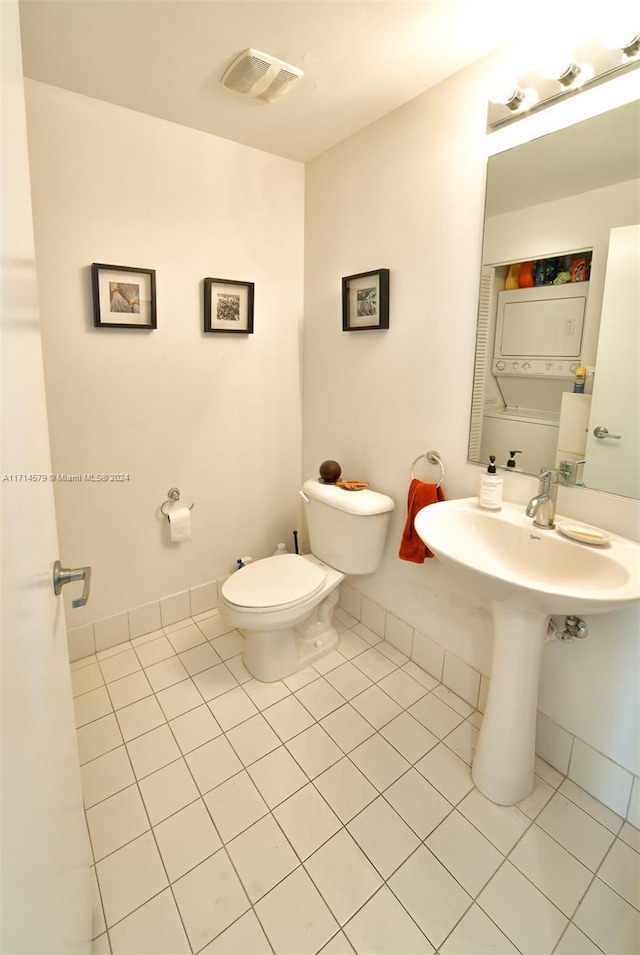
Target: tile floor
(332, 812)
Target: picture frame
(123, 296)
(365, 301)
(228, 306)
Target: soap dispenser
(511, 463)
(491, 487)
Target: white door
(45, 897)
(613, 463)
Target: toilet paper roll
(179, 524)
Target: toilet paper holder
(173, 496)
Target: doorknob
(604, 433)
(63, 575)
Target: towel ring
(433, 458)
(173, 496)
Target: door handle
(604, 433)
(64, 575)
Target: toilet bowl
(284, 604)
(284, 607)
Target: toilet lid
(274, 582)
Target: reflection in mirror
(557, 345)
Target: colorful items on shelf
(558, 270)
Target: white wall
(216, 415)
(407, 194)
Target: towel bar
(173, 496)
(433, 458)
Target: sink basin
(503, 554)
(529, 574)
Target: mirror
(559, 291)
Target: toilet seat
(275, 582)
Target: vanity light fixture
(564, 74)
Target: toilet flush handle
(304, 497)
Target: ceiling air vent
(261, 76)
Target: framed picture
(228, 306)
(123, 297)
(365, 301)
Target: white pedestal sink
(529, 574)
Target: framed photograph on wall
(365, 301)
(228, 306)
(123, 297)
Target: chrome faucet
(542, 507)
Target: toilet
(284, 604)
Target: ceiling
(165, 58)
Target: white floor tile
(314, 750)
(385, 838)
(320, 698)
(294, 916)
(374, 664)
(199, 658)
(252, 739)
(345, 789)
(347, 727)
(575, 942)
(329, 662)
(266, 694)
(152, 929)
(86, 679)
(476, 933)
(430, 894)
(383, 927)
(350, 644)
(605, 816)
(116, 821)
(140, 717)
(464, 852)
(120, 665)
(402, 688)
(552, 869)
(438, 718)
(631, 835)
(277, 776)
(363, 631)
(210, 898)
(232, 708)
(577, 831)
(452, 699)
(212, 763)
(186, 638)
(288, 717)
(194, 728)
(130, 877)
(242, 937)
(229, 645)
(621, 872)
(262, 857)
(166, 673)
(421, 675)
(106, 775)
(186, 839)
(609, 921)
(338, 945)
(416, 801)
(409, 737)
(392, 652)
(235, 805)
(376, 707)
(379, 761)
(294, 816)
(167, 790)
(533, 804)
(100, 945)
(463, 740)
(215, 681)
(301, 678)
(236, 666)
(179, 698)
(92, 706)
(502, 825)
(447, 772)
(152, 751)
(98, 737)
(526, 917)
(129, 689)
(214, 626)
(348, 680)
(344, 876)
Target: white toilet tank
(347, 529)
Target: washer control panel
(538, 367)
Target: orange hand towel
(420, 495)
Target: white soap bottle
(491, 485)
